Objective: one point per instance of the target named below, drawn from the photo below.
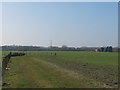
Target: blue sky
(65, 23)
(1, 24)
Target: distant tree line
(106, 49)
(55, 48)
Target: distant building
(96, 50)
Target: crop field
(62, 69)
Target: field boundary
(6, 60)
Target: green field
(66, 69)
(0, 69)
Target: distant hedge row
(6, 60)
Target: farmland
(66, 69)
(0, 69)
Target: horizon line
(58, 46)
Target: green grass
(99, 58)
(0, 69)
(34, 73)
(70, 69)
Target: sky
(74, 24)
(0, 23)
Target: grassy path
(93, 71)
(31, 72)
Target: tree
(110, 49)
(102, 49)
(107, 49)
